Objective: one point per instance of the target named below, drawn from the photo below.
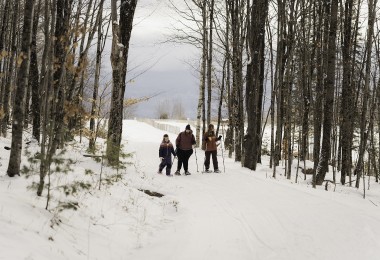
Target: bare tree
(121, 34)
(3, 37)
(255, 82)
(347, 94)
(178, 111)
(281, 58)
(34, 78)
(237, 12)
(99, 50)
(329, 92)
(22, 85)
(363, 121)
(163, 109)
(54, 112)
(10, 74)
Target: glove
(220, 137)
(161, 158)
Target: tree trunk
(9, 78)
(45, 80)
(347, 112)
(305, 83)
(255, 83)
(228, 141)
(3, 38)
(279, 82)
(22, 84)
(363, 122)
(121, 34)
(99, 51)
(201, 111)
(62, 11)
(318, 108)
(328, 95)
(272, 99)
(236, 128)
(61, 41)
(34, 79)
(209, 61)
(75, 93)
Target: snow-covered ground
(237, 214)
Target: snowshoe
(207, 171)
(217, 171)
(187, 173)
(177, 173)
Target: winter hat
(188, 127)
(166, 135)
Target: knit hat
(166, 135)
(188, 127)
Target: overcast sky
(166, 65)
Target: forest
(308, 69)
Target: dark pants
(214, 160)
(168, 165)
(183, 157)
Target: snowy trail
(239, 215)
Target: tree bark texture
(347, 95)
(363, 122)
(328, 95)
(21, 86)
(121, 34)
(255, 83)
(34, 79)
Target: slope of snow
(237, 214)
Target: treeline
(309, 69)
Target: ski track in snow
(239, 215)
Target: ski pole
(221, 147)
(204, 161)
(224, 167)
(196, 158)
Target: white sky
(171, 75)
(237, 214)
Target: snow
(236, 214)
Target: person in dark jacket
(165, 152)
(211, 148)
(184, 143)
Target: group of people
(185, 142)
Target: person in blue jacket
(165, 153)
